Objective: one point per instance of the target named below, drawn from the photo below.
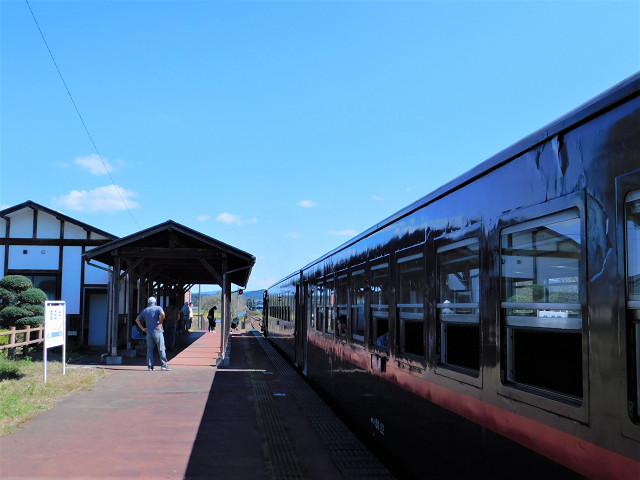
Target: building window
(410, 305)
(357, 305)
(47, 282)
(379, 306)
(542, 323)
(458, 304)
(342, 299)
(632, 235)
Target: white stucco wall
(96, 236)
(48, 226)
(38, 257)
(71, 276)
(22, 224)
(93, 275)
(75, 232)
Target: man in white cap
(153, 316)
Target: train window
(318, 301)
(342, 299)
(540, 270)
(411, 284)
(310, 304)
(357, 305)
(379, 306)
(632, 218)
(329, 301)
(458, 304)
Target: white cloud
(203, 218)
(94, 164)
(306, 203)
(229, 219)
(292, 235)
(342, 233)
(377, 198)
(101, 199)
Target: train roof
(597, 105)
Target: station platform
(253, 419)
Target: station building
(105, 280)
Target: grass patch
(23, 393)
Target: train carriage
(492, 328)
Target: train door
(301, 326)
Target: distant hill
(255, 294)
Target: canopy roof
(174, 254)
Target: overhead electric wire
(80, 116)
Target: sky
(283, 128)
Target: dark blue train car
(492, 328)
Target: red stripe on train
(580, 455)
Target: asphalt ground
(253, 419)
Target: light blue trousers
(155, 337)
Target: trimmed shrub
(32, 296)
(33, 321)
(34, 309)
(16, 283)
(6, 295)
(11, 314)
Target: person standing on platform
(184, 317)
(153, 317)
(212, 319)
(170, 325)
(190, 316)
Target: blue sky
(284, 128)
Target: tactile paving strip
(351, 457)
(279, 451)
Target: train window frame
(443, 246)
(319, 306)
(630, 423)
(379, 311)
(414, 317)
(356, 309)
(329, 304)
(547, 400)
(343, 306)
(310, 303)
(632, 314)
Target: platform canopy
(169, 259)
(174, 254)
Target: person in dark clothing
(212, 319)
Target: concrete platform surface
(244, 421)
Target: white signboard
(55, 319)
(55, 329)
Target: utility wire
(80, 116)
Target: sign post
(55, 330)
